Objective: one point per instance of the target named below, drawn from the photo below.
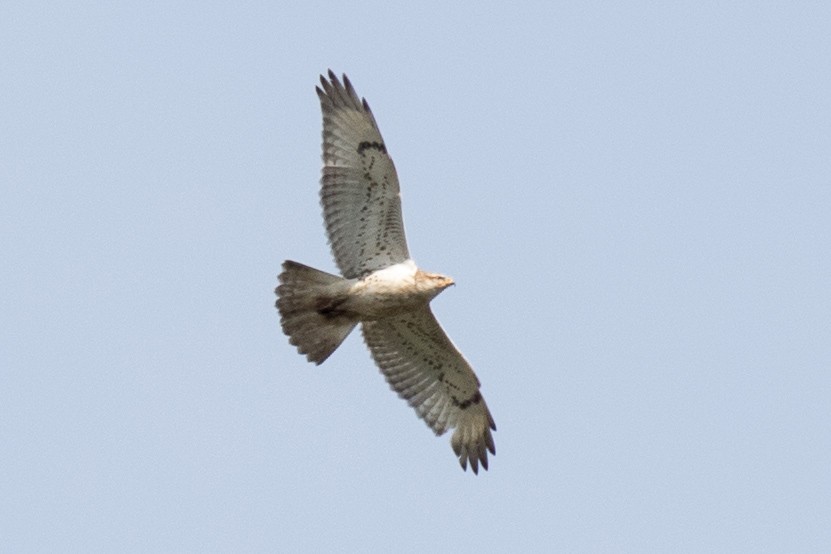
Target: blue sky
(633, 200)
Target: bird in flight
(380, 286)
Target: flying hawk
(381, 287)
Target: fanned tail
(308, 301)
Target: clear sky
(633, 200)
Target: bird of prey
(381, 287)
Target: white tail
(308, 301)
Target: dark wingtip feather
(332, 87)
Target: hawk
(380, 286)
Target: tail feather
(307, 300)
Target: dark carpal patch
(465, 404)
(374, 144)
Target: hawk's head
(432, 283)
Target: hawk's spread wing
(359, 187)
(423, 366)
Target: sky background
(633, 200)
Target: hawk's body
(381, 288)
